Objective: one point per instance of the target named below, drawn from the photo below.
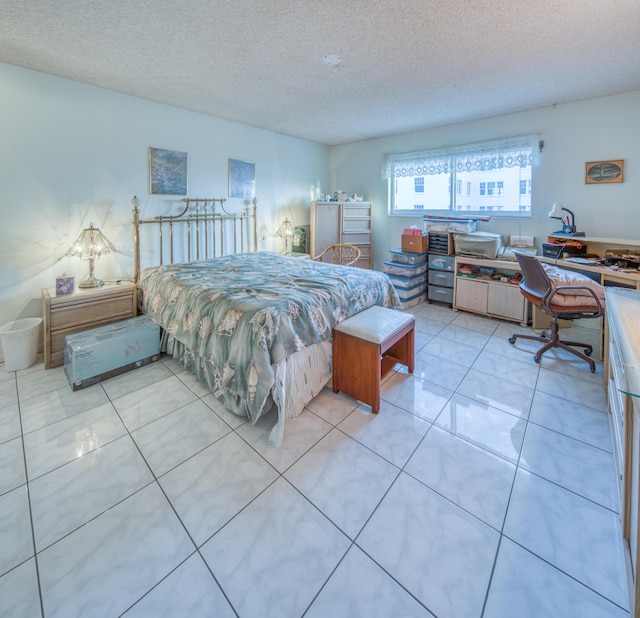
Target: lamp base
(564, 232)
(91, 282)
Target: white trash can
(20, 343)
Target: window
(490, 177)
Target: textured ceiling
(406, 64)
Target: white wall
(72, 154)
(573, 134)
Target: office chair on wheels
(537, 287)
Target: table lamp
(568, 223)
(90, 245)
(286, 231)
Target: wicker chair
(346, 255)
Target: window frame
(496, 156)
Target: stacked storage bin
(441, 266)
(408, 273)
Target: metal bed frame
(211, 231)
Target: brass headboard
(206, 232)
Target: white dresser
(342, 222)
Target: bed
(255, 326)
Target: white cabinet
(622, 377)
(492, 297)
(471, 295)
(342, 222)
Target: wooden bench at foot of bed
(366, 347)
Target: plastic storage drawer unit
(404, 270)
(441, 278)
(402, 257)
(442, 262)
(440, 295)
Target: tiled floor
(485, 487)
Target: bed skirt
(298, 379)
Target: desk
(599, 246)
(608, 275)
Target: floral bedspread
(237, 316)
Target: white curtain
(498, 154)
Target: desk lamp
(286, 231)
(568, 224)
(90, 245)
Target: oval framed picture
(603, 172)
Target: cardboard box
(415, 244)
(107, 351)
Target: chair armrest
(548, 298)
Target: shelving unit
(491, 297)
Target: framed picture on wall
(242, 179)
(603, 172)
(167, 172)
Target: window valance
(484, 156)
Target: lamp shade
(90, 245)
(286, 231)
(556, 212)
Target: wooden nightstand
(82, 310)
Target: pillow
(561, 277)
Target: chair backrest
(535, 280)
(341, 254)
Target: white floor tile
(300, 434)
(344, 479)
(356, 514)
(458, 333)
(359, 588)
(274, 557)
(16, 539)
(439, 371)
(71, 495)
(572, 419)
(575, 535)
(497, 392)
(60, 404)
(12, 473)
(71, 438)
(581, 468)
(175, 437)
(450, 349)
(518, 579)
(107, 565)
(442, 555)
(211, 487)
(510, 369)
(422, 398)
(577, 390)
(150, 402)
(393, 433)
(189, 591)
(471, 477)
(332, 407)
(497, 431)
(19, 591)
